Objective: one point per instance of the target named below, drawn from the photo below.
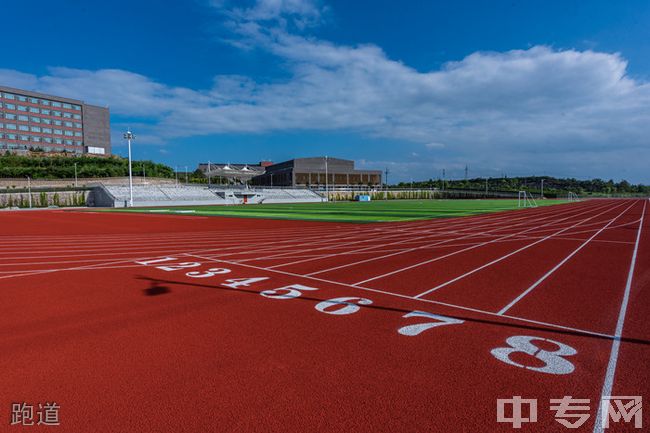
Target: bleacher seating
(169, 195)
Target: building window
(10, 106)
(46, 112)
(67, 115)
(68, 106)
(33, 100)
(47, 139)
(69, 134)
(45, 102)
(10, 126)
(56, 104)
(68, 142)
(68, 124)
(11, 136)
(77, 125)
(77, 134)
(10, 116)
(34, 110)
(35, 128)
(35, 119)
(57, 122)
(58, 132)
(24, 138)
(22, 98)
(46, 121)
(22, 108)
(9, 96)
(58, 141)
(56, 113)
(36, 139)
(23, 118)
(23, 128)
(47, 130)
(76, 116)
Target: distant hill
(553, 187)
(63, 167)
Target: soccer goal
(525, 199)
(572, 196)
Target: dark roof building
(39, 122)
(313, 172)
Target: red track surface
(124, 346)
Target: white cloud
(539, 106)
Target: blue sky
(517, 87)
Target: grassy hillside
(63, 167)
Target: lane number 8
(554, 362)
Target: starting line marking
(399, 295)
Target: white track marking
(182, 248)
(525, 247)
(485, 233)
(558, 266)
(406, 268)
(469, 225)
(618, 334)
(427, 301)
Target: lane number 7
(418, 328)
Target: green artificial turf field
(375, 211)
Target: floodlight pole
(186, 181)
(486, 186)
(29, 190)
(209, 179)
(75, 175)
(327, 197)
(128, 136)
(542, 193)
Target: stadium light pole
(29, 190)
(128, 136)
(486, 186)
(542, 193)
(186, 181)
(75, 175)
(209, 180)
(326, 180)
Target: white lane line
(430, 230)
(426, 262)
(618, 334)
(558, 266)
(498, 238)
(399, 295)
(525, 247)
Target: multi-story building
(317, 171)
(38, 122)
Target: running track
(152, 323)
